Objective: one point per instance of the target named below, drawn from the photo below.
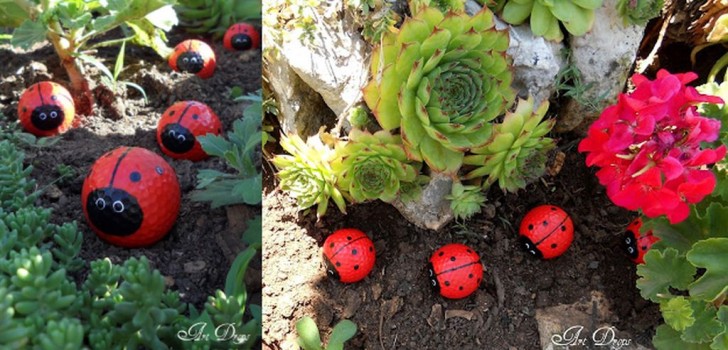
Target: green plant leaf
(343, 331)
(663, 269)
(677, 313)
(705, 327)
(667, 338)
(29, 33)
(252, 235)
(234, 282)
(721, 340)
(119, 61)
(308, 334)
(96, 63)
(215, 145)
(707, 219)
(711, 254)
(163, 18)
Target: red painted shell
(637, 244)
(241, 37)
(131, 197)
(193, 56)
(546, 231)
(455, 271)
(46, 109)
(349, 255)
(181, 125)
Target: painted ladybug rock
(181, 124)
(635, 244)
(546, 231)
(455, 271)
(131, 197)
(241, 37)
(193, 56)
(46, 109)
(349, 255)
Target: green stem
(79, 84)
(720, 64)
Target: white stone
(431, 210)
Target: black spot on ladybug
(469, 251)
(195, 116)
(563, 228)
(331, 245)
(452, 258)
(644, 247)
(470, 275)
(553, 245)
(460, 288)
(353, 252)
(356, 267)
(47, 117)
(447, 283)
(530, 227)
(135, 176)
(190, 61)
(338, 264)
(241, 42)
(25, 109)
(114, 211)
(441, 254)
(371, 249)
(553, 208)
(177, 138)
(159, 170)
(545, 223)
(348, 238)
(54, 97)
(171, 112)
(219, 131)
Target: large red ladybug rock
(455, 271)
(637, 244)
(240, 37)
(546, 231)
(193, 56)
(349, 255)
(131, 197)
(46, 109)
(181, 124)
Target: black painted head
(530, 247)
(47, 117)
(630, 245)
(330, 269)
(190, 61)
(177, 138)
(241, 42)
(114, 211)
(433, 279)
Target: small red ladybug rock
(455, 271)
(193, 56)
(637, 244)
(241, 37)
(349, 255)
(181, 124)
(46, 109)
(131, 197)
(546, 231)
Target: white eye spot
(186, 60)
(172, 133)
(628, 240)
(430, 272)
(54, 115)
(118, 207)
(434, 283)
(630, 250)
(533, 252)
(43, 116)
(181, 138)
(193, 59)
(100, 204)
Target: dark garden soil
(196, 254)
(393, 307)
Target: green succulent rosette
(577, 16)
(639, 11)
(517, 153)
(442, 5)
(372, 166)
(441, 79)
(465, 201)
(306, 174)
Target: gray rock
(604, 56)
(431, 210)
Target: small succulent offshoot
(639, 11)
(372, 166)
(516, 155)
(465, 200)
(577, 16)
(441, 79)
(306, 173)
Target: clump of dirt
(190, 256)
(395, 308)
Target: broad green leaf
(343, 331)
(252, 235)
(663, 269)
(208, 176)
(163, 18)
(148, 35)
(667, 338)
(28, 33)
(720, 341)
(707, 219)
(234, 282)
(11, 15)
(711, 254)
(677, 313)
(214, 145)
(706, 326)
(308, 334)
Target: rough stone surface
(604, 56)
(431, 210)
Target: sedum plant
(215, 16)
(516, 155)
(465, 201)
(372, 166)
(577, 16)
(306, 173)
(441, 79)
